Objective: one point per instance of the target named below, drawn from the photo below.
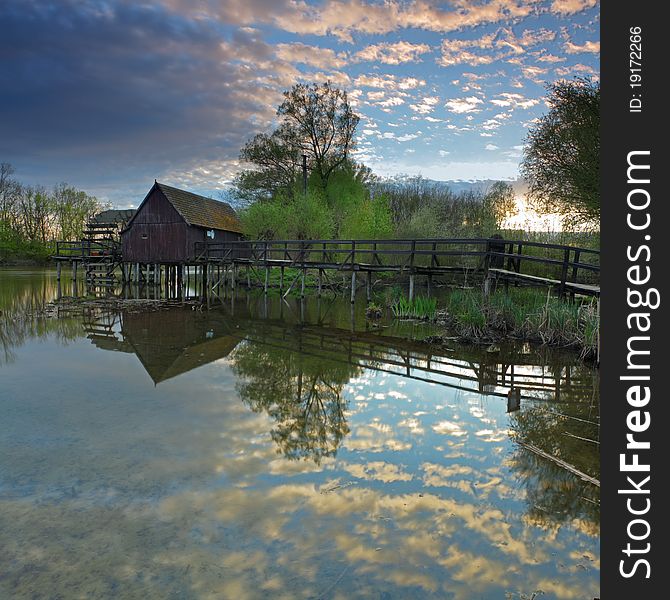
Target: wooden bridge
(567, 270)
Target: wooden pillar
(281, 280)
(302, 284)
(411, 287)
(233, 277)
(74, 270)
(248, 278)
(180, 279)
(137, 273)
(368, 286)
(318, 293)
(267, 279)
(353, 285)
(429, 283)
(59, 266)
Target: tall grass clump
(421, 307)
(524, 313)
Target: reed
(420, 307)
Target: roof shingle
(200, 210)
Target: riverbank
(520, 314)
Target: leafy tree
(324, 124)
(562, 155)
(277, 159)
(315, 120)
(498, 204)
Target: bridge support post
(267, 280)
(353, 285)
(302, 284)
(59, 266)
(318, 293)
(368, 286)
(180, 280)
(281, 280)
(74, 270)
(411, 287)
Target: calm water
(269, 450)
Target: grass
(420, 307)
(524, 313)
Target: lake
(270, 449)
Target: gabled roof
(113, 216)
(197, 210)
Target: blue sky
(108, 95)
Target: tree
(277, 159)
(499, 203)
(324, 124)
(315, 120)
(562, 155)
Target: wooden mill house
(163, 232)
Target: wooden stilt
(302, 284)
(353, 286)
(368, 286)
(411, 287)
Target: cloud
(346, 17)
(491, 147)
(427, 105)
(491, 47)
(388, 82)
(571, 48)
(463, 105)
(408, 136)
(315, 56)
(393, 53)
(578, 68)
(511, 100)
(571, 7)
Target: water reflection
(367, 467)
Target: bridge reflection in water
(295, 367)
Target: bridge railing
(87, 249)
(553, 264)
(370, 254)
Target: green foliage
(420, 307)
(262, 220)
(421, 209)
(526, 313)
(308, 217)
(31, 217)
(562, 156)
(316, 121)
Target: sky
(110, 95)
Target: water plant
(421, 307)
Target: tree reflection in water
(303, 394)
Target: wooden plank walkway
(567, 269)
